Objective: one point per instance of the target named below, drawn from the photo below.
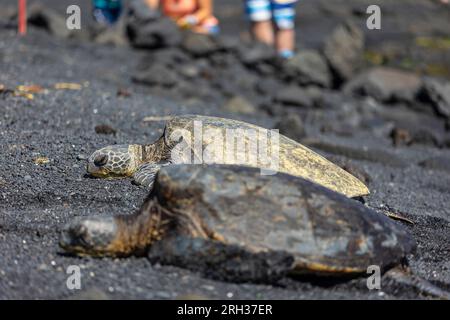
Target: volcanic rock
(344, 51)
(147, 29)
(308, 67)
(386, 84)
(438, 93)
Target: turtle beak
(95, 170)
(91, 168)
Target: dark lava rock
(254, 53)
(44, 17)
(298, 225)
(333, 100)
(8, 17)
(105, 129)
(146, 28)
(139, 10)
(344, 50)
(169, 57)
(402, 136)
(228, 42)
(267, 86)
(436, 163)
(294, 96)
(308, 67)
(156, 75)
(198, 44)
(224, 60)
(386, 84)
(438, 94)
(292, 127)
(267, 68)
(236, 81)
(425, 137)
(273, 109)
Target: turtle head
(92, 236)
(114, 161)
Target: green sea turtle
(234, 223)
(195, 139)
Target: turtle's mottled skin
(249, 226)
(143, 161)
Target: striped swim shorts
(282, 12)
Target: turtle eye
(100, 160)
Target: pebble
(82, 157)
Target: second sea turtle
(196, 139)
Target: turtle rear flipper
(221, 261)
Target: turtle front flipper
(146, 173)
(221, 261)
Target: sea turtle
(234, 223)
(196, 139)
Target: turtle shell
(323, 231)
(254, 146)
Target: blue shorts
(283, 14)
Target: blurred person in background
(273, 23)
(196, 15)
(106, 11)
